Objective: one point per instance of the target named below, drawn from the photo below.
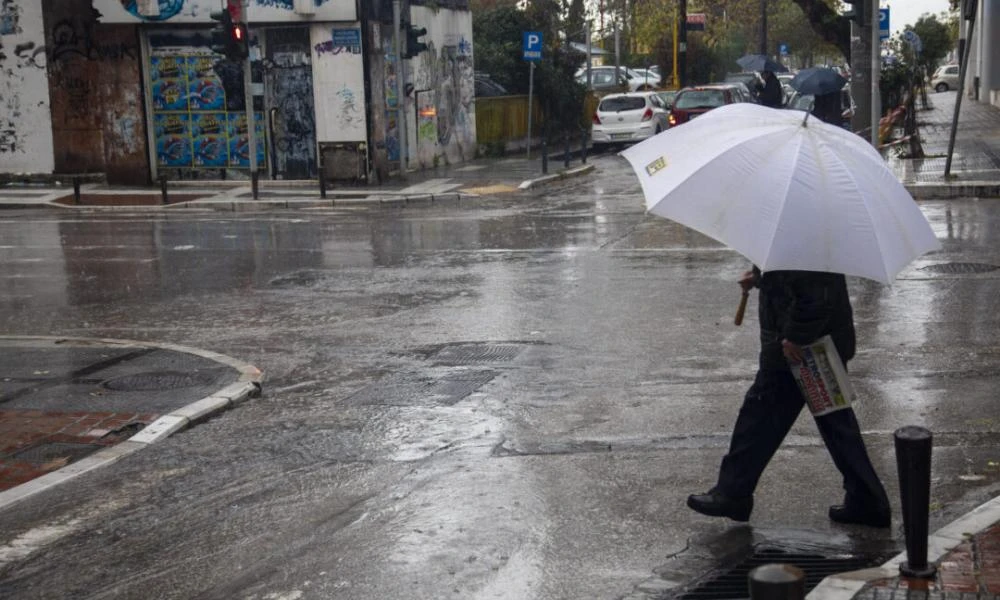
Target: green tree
(576, 21)
(936, 39)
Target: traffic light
(858, 12)
(230, 38)
(413, 44)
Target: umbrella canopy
(785, 190)
(760, 62)
(817, 81)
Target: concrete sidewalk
(975, 172)
(70, 405)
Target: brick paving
(62, 437)
(970, 570)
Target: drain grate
(733, 583)
(473, 354)
(413, 390)
(47, 452)
(960, 268)
(158, 381)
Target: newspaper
(822, 378)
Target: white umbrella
(784, 189)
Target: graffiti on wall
(449, 72)
(290, 95)
(10, 16)
(348, 110)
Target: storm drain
(158, 381)
(476, 354)
(732, 584)
(47, 452)
(408, 389)
(960, 268)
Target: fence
(504, 119)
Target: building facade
(982, 81)
(132, 89)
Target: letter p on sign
(532, 45)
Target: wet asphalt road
(505, 397)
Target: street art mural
(445, 88)
(289, 99)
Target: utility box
(345, 161)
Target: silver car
(628, 118)
(945, 78)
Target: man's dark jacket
(803, 306)
(770, 94)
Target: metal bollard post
(913, 461)
(545, 152)
(163, 189)
(777, 582)
(583, 145)
(76, 190)
(322, 186)
(565, 149)
(254, 176)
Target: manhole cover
(958, 268)
(414, 390)
(44, 453)
(471, 354)
(732, 584)
(157, 381)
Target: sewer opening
(158, 381)
(733, 583)
(46, 452)
(476, 353)
(960, 268)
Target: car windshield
(700, 99)
(621, 103)
(802, 102)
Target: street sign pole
(248, 99)
(531, 93)
(876, 109)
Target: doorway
(288, 99)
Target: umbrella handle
(742, 308)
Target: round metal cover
(960, 268)
(158, 381)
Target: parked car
(631, 80)
(627, 118)
(487, 87)
(649, 79)
(603, 79)
(667, 97)
(945, 78)
(847, 106)
(749, 79)
(694, 101)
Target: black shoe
(715, 504)
(850, 516)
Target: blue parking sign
(532, 45)
(883, 23)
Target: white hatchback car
(945, 78)
(628, 118)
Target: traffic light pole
(248, 98)
(400, 87)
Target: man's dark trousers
(770, 408)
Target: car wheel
(941, 87)
(657, 130)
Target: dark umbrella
(760, 62)
(817, 80)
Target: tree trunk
(828, 24)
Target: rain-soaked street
(505, 397)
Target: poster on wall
(173, 139)
(239, 140)
(205, 90)
(209, 139)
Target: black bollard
(322, 186)
(913, 461)
(545, 152)
(254, 176)
(163, 189)
(777, 582)
(565, 149)
(583, 145)
(76, 190)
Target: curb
(845, 586)
(534, 183)
(946, 191)
(246, 386)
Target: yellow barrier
(505, 118)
